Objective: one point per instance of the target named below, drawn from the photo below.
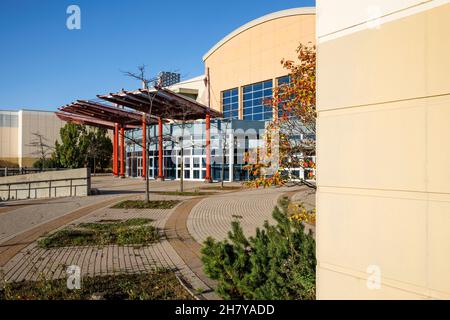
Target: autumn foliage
(294, 125)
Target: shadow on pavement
(112, 192)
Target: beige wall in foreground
(253, 53)
(383, 149)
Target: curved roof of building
(258, 21)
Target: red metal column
(144, 145)
(122, 152)
(208, 148)
(160, 150)
(115, 149)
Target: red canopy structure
(162, 103)
(83, 120)
(166, 104)
(140, 108)
(94, 110)
(100, 115)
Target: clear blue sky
(44, 65)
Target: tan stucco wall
(9, 144)
(192, 87)
(254, 54)
(8, 139)
(15, 149)
(42, 122)
(383, 149)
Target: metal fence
(8, 172)
(41, 188)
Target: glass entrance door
(187, 168)
(194, 168)
(139, 166)
(151, 167)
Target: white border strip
(383, 19)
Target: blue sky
(44, 65)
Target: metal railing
(6, 188)
(8, 172)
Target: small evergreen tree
(70, 151)
(82, 146)
(279, 263)
(98, 148)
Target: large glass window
(256, 101)
(230, 103)
(281, 82)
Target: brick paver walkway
(183, 228)
(213, 216)
(34, 263)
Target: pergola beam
(165, 104)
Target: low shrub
(277, 263)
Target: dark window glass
(257, 102)
(248, 111)
(257, 109)
(283, 81)
(268, 115)
(247, 89)
(258, 116)
(230, 102)
(256, 96)
(268, 93)
(257, 86)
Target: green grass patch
(141, 204)
(184, 193)
(121, 232)
(115, 224)
(157, 285)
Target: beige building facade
(19, 131)
(251, 55)
(383, 149)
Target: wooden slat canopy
(90, 121)
(90, 111)
(166, 104)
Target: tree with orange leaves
(294, 126)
